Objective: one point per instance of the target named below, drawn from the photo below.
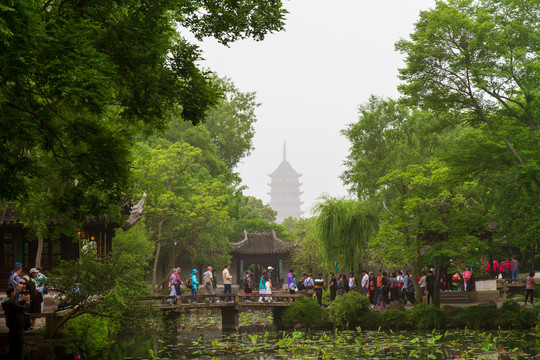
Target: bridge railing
(221, 299)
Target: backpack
(395, 285)
(188, 283)
(300, 285)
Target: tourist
(301, 287)
(308, 286)
(290, 282)
(508, 269)
(41, 279)
(333, 287)
(15, 321)
(372, 288)
(383, 298)
(340, 285)
(529, 287)
(378, 287)
(172, 281)
(456, 279)
(394, 287)
(410, 288)
(430, 286)
(248, 289)
(352, 282)
(227, 282)
(319, 286)
(262, 286)
(18, 265)
(466, 279)
(268, 284)
(346, 287)
(214, 284)
(36, 297)
(194, 284)
(422, 285)
(179, 282)
(14, 278)
(207, 281)
(365, 283)
(515, 269)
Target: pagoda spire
(284, 150)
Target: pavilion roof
(261, 244)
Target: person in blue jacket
(194, 283)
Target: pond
(206, 341)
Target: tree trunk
(156, 259)
(417, 290)
(437, 289)
(39, 249)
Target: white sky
(310, 80)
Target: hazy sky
(310, 80)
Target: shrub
(427, 317)
(305, 311)
(512, 315)
(476, 316)
(371, 320)
(89, 335)
(348, 308)
(394, 319)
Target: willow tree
(344, 227)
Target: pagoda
(285, 190)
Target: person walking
(515, 269)
(207, 281)
(268, 284)
(179, 281)
(378, 287)
(333, 287)
(340, 285)
(214, 284)
(248, 288)
(394, 287)
(36, 297)
(173, 280)
(227, 282)
(262, 285)
(291, 286)
(466, 279)
(365, 282)
(194, 284)
(430, 286)
(529, 287)
(352, 282)
(372, 287)
(308, 286)
(14, 313)
(319, 286)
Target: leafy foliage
(89, 335)
(427, 317)
(306, 311)
(512, 315)
(478, 316)
(394, 319)
(343, 229)
(348, 308)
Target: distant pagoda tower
(285, 190)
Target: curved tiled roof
(261, 244)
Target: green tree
(307, 255)
(343, 228)
(252, 208)
(79, 80)
(230, 123)
(480, 59)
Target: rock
(396, 305)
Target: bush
(427, 317)
(476, 316)
(89, 335)
(306, 311)
(371, 320)
(347, 309)
(394, 319)
(512, 315)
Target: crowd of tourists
(25, 291)
(505, 269)
(381, 288)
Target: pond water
(199, 337)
